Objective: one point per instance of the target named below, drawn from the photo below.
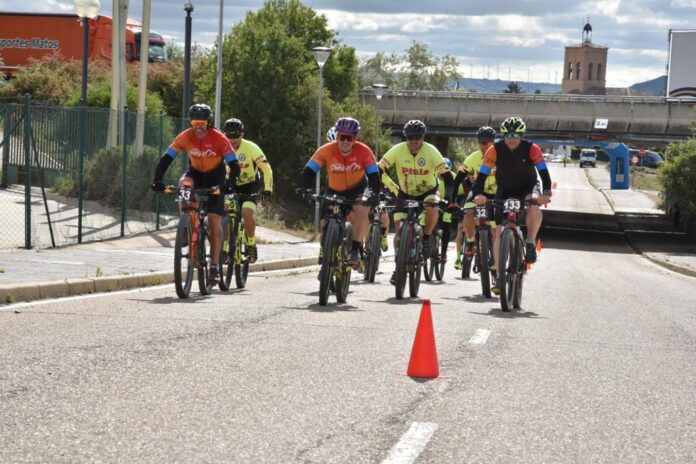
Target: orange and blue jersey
(206, 154)
(344, 172)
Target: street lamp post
(379, 90)
(188, 7)
(86, 10)
(321, 54)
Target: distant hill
(657, 87)
(498, 85)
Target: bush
(678, 177)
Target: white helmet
(331, 134)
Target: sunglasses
(234, 136)
(346, 138)
(411, 139)
(199, 122)
(513, 136)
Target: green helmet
(513, 125)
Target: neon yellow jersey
(472, 165)
(417, 173)
(251, 160)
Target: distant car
(588, 156)
(650, 159)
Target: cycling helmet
(233, 128)
(348, 125)
(485, 134)
(201, 112)
(331, 134)
(414, 129)
(448, 162)
(513, 125)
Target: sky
(492, 38)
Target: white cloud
(625, 76)
(683, 3)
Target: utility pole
(142, 83)
(218, 81)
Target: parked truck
(36, 35)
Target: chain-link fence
(44, 159)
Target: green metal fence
(40, 194)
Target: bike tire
(429, 261)
(204, 283)
(241, 266)
(439, 266)
(326, 272)
(183, 261)
(373, 251)
(402, 259)
(484, 252)
(507, 269)
(415, 268)
(226, 256)
(519, 277)
(343, 268)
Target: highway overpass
(574, 116)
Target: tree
(513, 87)
(381, 68)
(270, 81)
(678, 177)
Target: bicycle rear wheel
(183, 257)
(204, 283)
(226, 255)
(507, 269)
(343, 268)
(241, 266)
(327, 264)
(402, 259)
(484, 252)
(519, 277)
(372, 252)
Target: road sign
(601, 123)
(634, 160)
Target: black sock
(356, 245)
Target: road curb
(13, 293)
(660, 262)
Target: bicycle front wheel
(519, 277)
(439, 265)
(484, 252)
(226, 255)
(429, 261)
(183, 257)
(241, 265)
(327, 264)
(507, 269)
(402, 258)
(205, 285)
(343, 269)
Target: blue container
(619, 167)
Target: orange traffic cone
(538, 247)
(423, 363)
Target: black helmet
(201, 112)
(233, 128)
(414, 129)
(485, 134)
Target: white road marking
(480, 337)
(411, 444)
(141, 252)
(46, 261)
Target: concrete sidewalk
(647, 228)
(124, 263)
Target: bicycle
(192, 242)
(234, 255)
(409, 258)
(373, 244)
(483, 261)
(512, 265)
(336, 244)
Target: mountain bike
(192, 242)
(337, 240)
(433, 265)
(512, 265)
(373, 245)
(234, 255)
(483, 259)
(409, 258)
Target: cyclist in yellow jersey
(251, 160)
(466, 175)
(417, 165)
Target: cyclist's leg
(216, 209)
(533, 220)
(399, 216)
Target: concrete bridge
(460, 113)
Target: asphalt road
(596, 367)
